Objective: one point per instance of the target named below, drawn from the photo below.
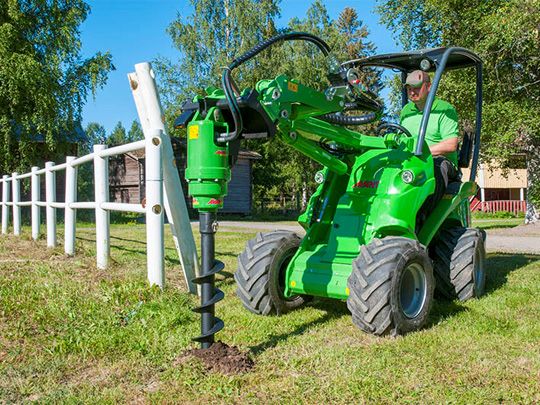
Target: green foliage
(44, 81)
(95, 134)
(219, 31)
(118, 135)
(135, 132)
(209, 39)
(505, 33)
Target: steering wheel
(390, 125)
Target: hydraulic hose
(226, 79)
(290, 36)
(339, 119)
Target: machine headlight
(407, 176)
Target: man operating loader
(442, 130)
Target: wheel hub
(413, 290)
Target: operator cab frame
(436, 60)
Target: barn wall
(238, 199)
(126, 179)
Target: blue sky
(134, 31)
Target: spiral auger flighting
(210, 295)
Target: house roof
(78, 135)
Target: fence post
(154, 211)
(36, 211)
(5, 199)
(148, 105)
(50, 196)
(101, 187)
(70, 214)
(16, 197)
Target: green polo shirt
(442, 124)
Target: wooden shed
(126, 179)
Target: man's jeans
(445, 172)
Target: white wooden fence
(101, 204)
(163, 191)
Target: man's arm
(446, 146)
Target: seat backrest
(465, 152)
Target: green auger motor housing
(369, 236)
(208, 171)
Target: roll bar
(431, 97)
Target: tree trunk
(533, 183)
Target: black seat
(465, 151)
(453, 187)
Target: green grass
(72, 333)
(493, 223)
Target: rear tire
(458, 260)
(391, 286)
(260, 278)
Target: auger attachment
(207, 174)
(210, 295)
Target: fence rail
(513, 206)
(11, 201)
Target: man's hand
(446, 146)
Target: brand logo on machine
(221, 152)
(214, 201)
(195, 201)
(367, 184)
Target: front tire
(260, 278)
(391, 287)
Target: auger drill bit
(210, 295)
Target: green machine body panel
(348, 211)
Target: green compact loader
(372, 236)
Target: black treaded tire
(376, 283)
(458, 261)
(260, 274)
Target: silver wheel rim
(477, 271)
(413, 290)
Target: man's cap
(416, 78)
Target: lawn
(72, 333)
(492, 223)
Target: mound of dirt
(222, 358)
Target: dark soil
(222, 358)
